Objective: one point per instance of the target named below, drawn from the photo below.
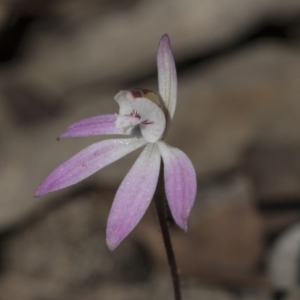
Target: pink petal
(180, 183)
(87, 162)
(133, 196)
(167, 78)
(104, 124)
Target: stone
(294, 294)
(275, 172)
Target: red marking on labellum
(147, 122)
(136, 93)
(134, 114)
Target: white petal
(124, 99)
(125, 124)
(153, 120)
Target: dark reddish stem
(160, 203)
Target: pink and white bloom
(144, 117)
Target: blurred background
(237, 118)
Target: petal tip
(183, 225)
(64, 134)
(164, 43)
(165, 38)
(46, 187)
(112, 243)
(39, 193)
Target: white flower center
(140, 117)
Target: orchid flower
(144, 117)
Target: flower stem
(160, 203)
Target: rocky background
(238, 119)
